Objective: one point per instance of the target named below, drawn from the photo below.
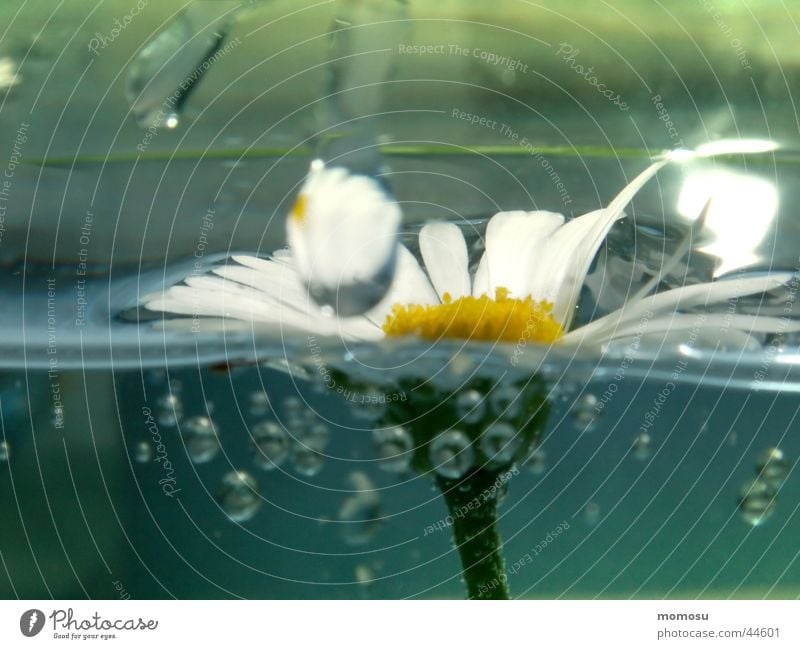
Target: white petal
(258, 291)
(655, 306)
(728, 340)
(570, 251)
(514, 242)
(480, 283)
(444, 252)
(343, 229)
(713, 322)
(410, 286)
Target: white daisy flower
(526, 286)
(342, 232)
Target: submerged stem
(472, 503)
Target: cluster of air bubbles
(360, 515)
(270, 445)
(143, 452)
(451, 454)
(258, 404)
(238, 496)
(4, 451)
(470, 406)
(169, 409)
(499, 444)
(301, 437)
(757, 498)
(584, 412)
(393, 446)
(642, 447)
(200, 439)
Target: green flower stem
(472, 502)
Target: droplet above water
(238, 496)
(451, 454)
(200, 439)
(756, 502)
(393, 448)
(271, 445)
(499, 444)
(165, 71)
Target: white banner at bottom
(400, 624)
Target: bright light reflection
(740, 216)
(728, 147)
(8, 73)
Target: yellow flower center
(299, 209)
(502, 319)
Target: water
(220, 463)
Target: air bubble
(292, 406)
(239, 496)
(143, 452)
(451, 454)
(169, 410)
(499, 443)
(470, 406)
(364, 575)
(368, 405)
(200, 439)
(642, 447)
(773, 468)
(307, 462)
(360, 513)
(584, 411)
(393, 448)
(536, 462)
(271, 445)
(258, 403)
(506, 401)
(756, 502)
(591, 514)
(318, 436)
